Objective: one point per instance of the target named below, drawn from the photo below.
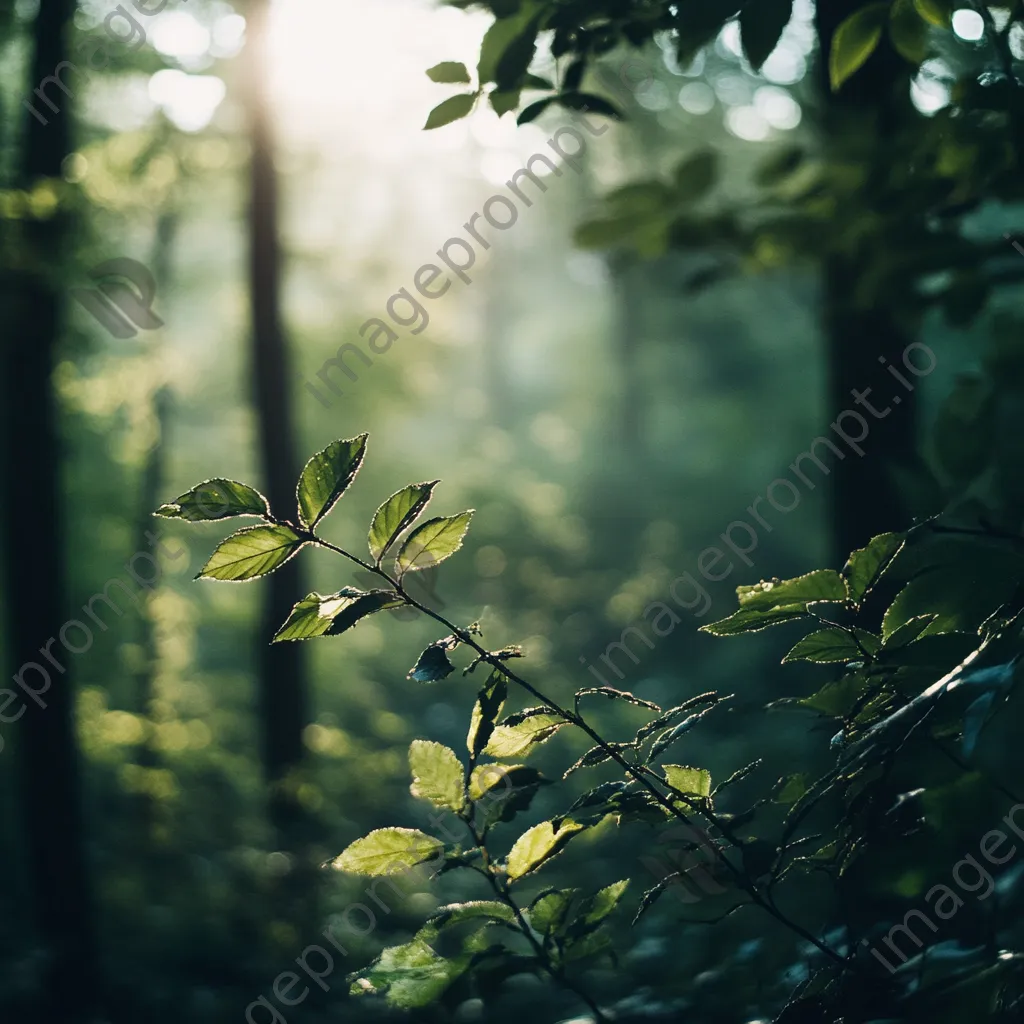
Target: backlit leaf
(319, 615)
(326, 476)
(867, 565)
(387, 851)
(489, 703)
(538, 845)
(512, 740)
(398, 513)
(215, 499)
(436, 774)
(692, 781)
(409, 976)
(251, 552)
(433, 542)
(855, 40)
(833, 645)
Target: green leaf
(612, 694)
(691, 781)
(448, 72)
(651, 895)
(761, 27)
(588, 103)
(512, 740)
(502, 101)
(751, 620)
(410, 976)
(534, 110)
(326, 476)
(398, 513)
(820, 585)
(695, 176)
(867, 565)
(452, 109)
(938, 12)
(667, 738)
(216, 499)
(908, 31)
(502, 791)
(594, 756)
(319, 615)
(433, 542)
(251, 552)
(596, 908)
(497, 38)
(387, 851)
(547, 913)
(773, 601)
(833, 645)
(489, 703)
(433, 664)
(855, 40)
(604, 233)
(837, 699)
(457, 913)
(710, 697)
(792, 788)
(538, 845)
(436, 775)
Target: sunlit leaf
(409, 976)
(855, 40)
(436, 774)
(387, 851)
(251, 552)
(489, 703)
(938, 12)
(512, 740)
(326, 476)
(398, 513)
(538, 845)
(612, 694)
(433, 542)
(908, 31)
(319, 615)
(833, 645)
(215, 499)
(867, 565)
(548, 911)
(596, 908)
(502, 791)
(691, 781)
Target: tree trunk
(866, 495)
(35, 570)
(282, 683)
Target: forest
(616, 408)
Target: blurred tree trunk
(282, 682)
(866, 494)
(34, 564)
